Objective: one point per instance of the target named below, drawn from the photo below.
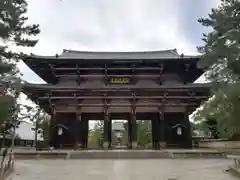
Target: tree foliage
(144, 135)
(221, 53)
(14, 31)
(95, 135)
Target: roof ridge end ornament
(174, 51)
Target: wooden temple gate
(81, 88)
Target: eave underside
(50, 69)
(50, 97)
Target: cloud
(108, 25)
(112, 25)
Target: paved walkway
(159, 169)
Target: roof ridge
(113, 52)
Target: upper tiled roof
(71, 54)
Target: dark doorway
(176, 130)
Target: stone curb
(234, 172)
(119, 155)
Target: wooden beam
(122, 89)
(137, 105)
(122, 97)
(105, 75)
(109, 68)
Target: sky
(113, 25)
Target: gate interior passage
(83, 86)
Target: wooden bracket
(50, 104)
(187, 67)
(161, 111)
(165, 95)
(53, 71)
(106, 74)
(133, 73)
(161, 67)
(78, 74)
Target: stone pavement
(159, 169)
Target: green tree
(44, 124)
(41, 122)
(144, 135)
(221, 53)
(95, 135)
(14, 31)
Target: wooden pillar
(188, 135)
(85, 133)
(78, 142)
(129, 133)
(51, 131)
(51, 135)
(133, 128)
(155, 131)
(106, 129)
(162, 137)
(109, 133)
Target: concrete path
(159, 169)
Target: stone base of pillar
(79, 146)
(105, 144)
(162, 144)
(134, 144)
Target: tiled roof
(138, 55)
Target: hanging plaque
(120, 80)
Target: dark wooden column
(155, 131)
(188, 131)
(50, 132)
(162, 137)
(85, 133)
(106, 129)
(129, 133)
(133, 126)
(109, 133)
(78, 142)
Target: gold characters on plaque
(120, 80)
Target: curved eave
(36, 57)
(36, 62)
(47, 87)
(29, 92)
(34, 91)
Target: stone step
(119, 155)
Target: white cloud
(108, 25)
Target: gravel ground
(159, 169)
